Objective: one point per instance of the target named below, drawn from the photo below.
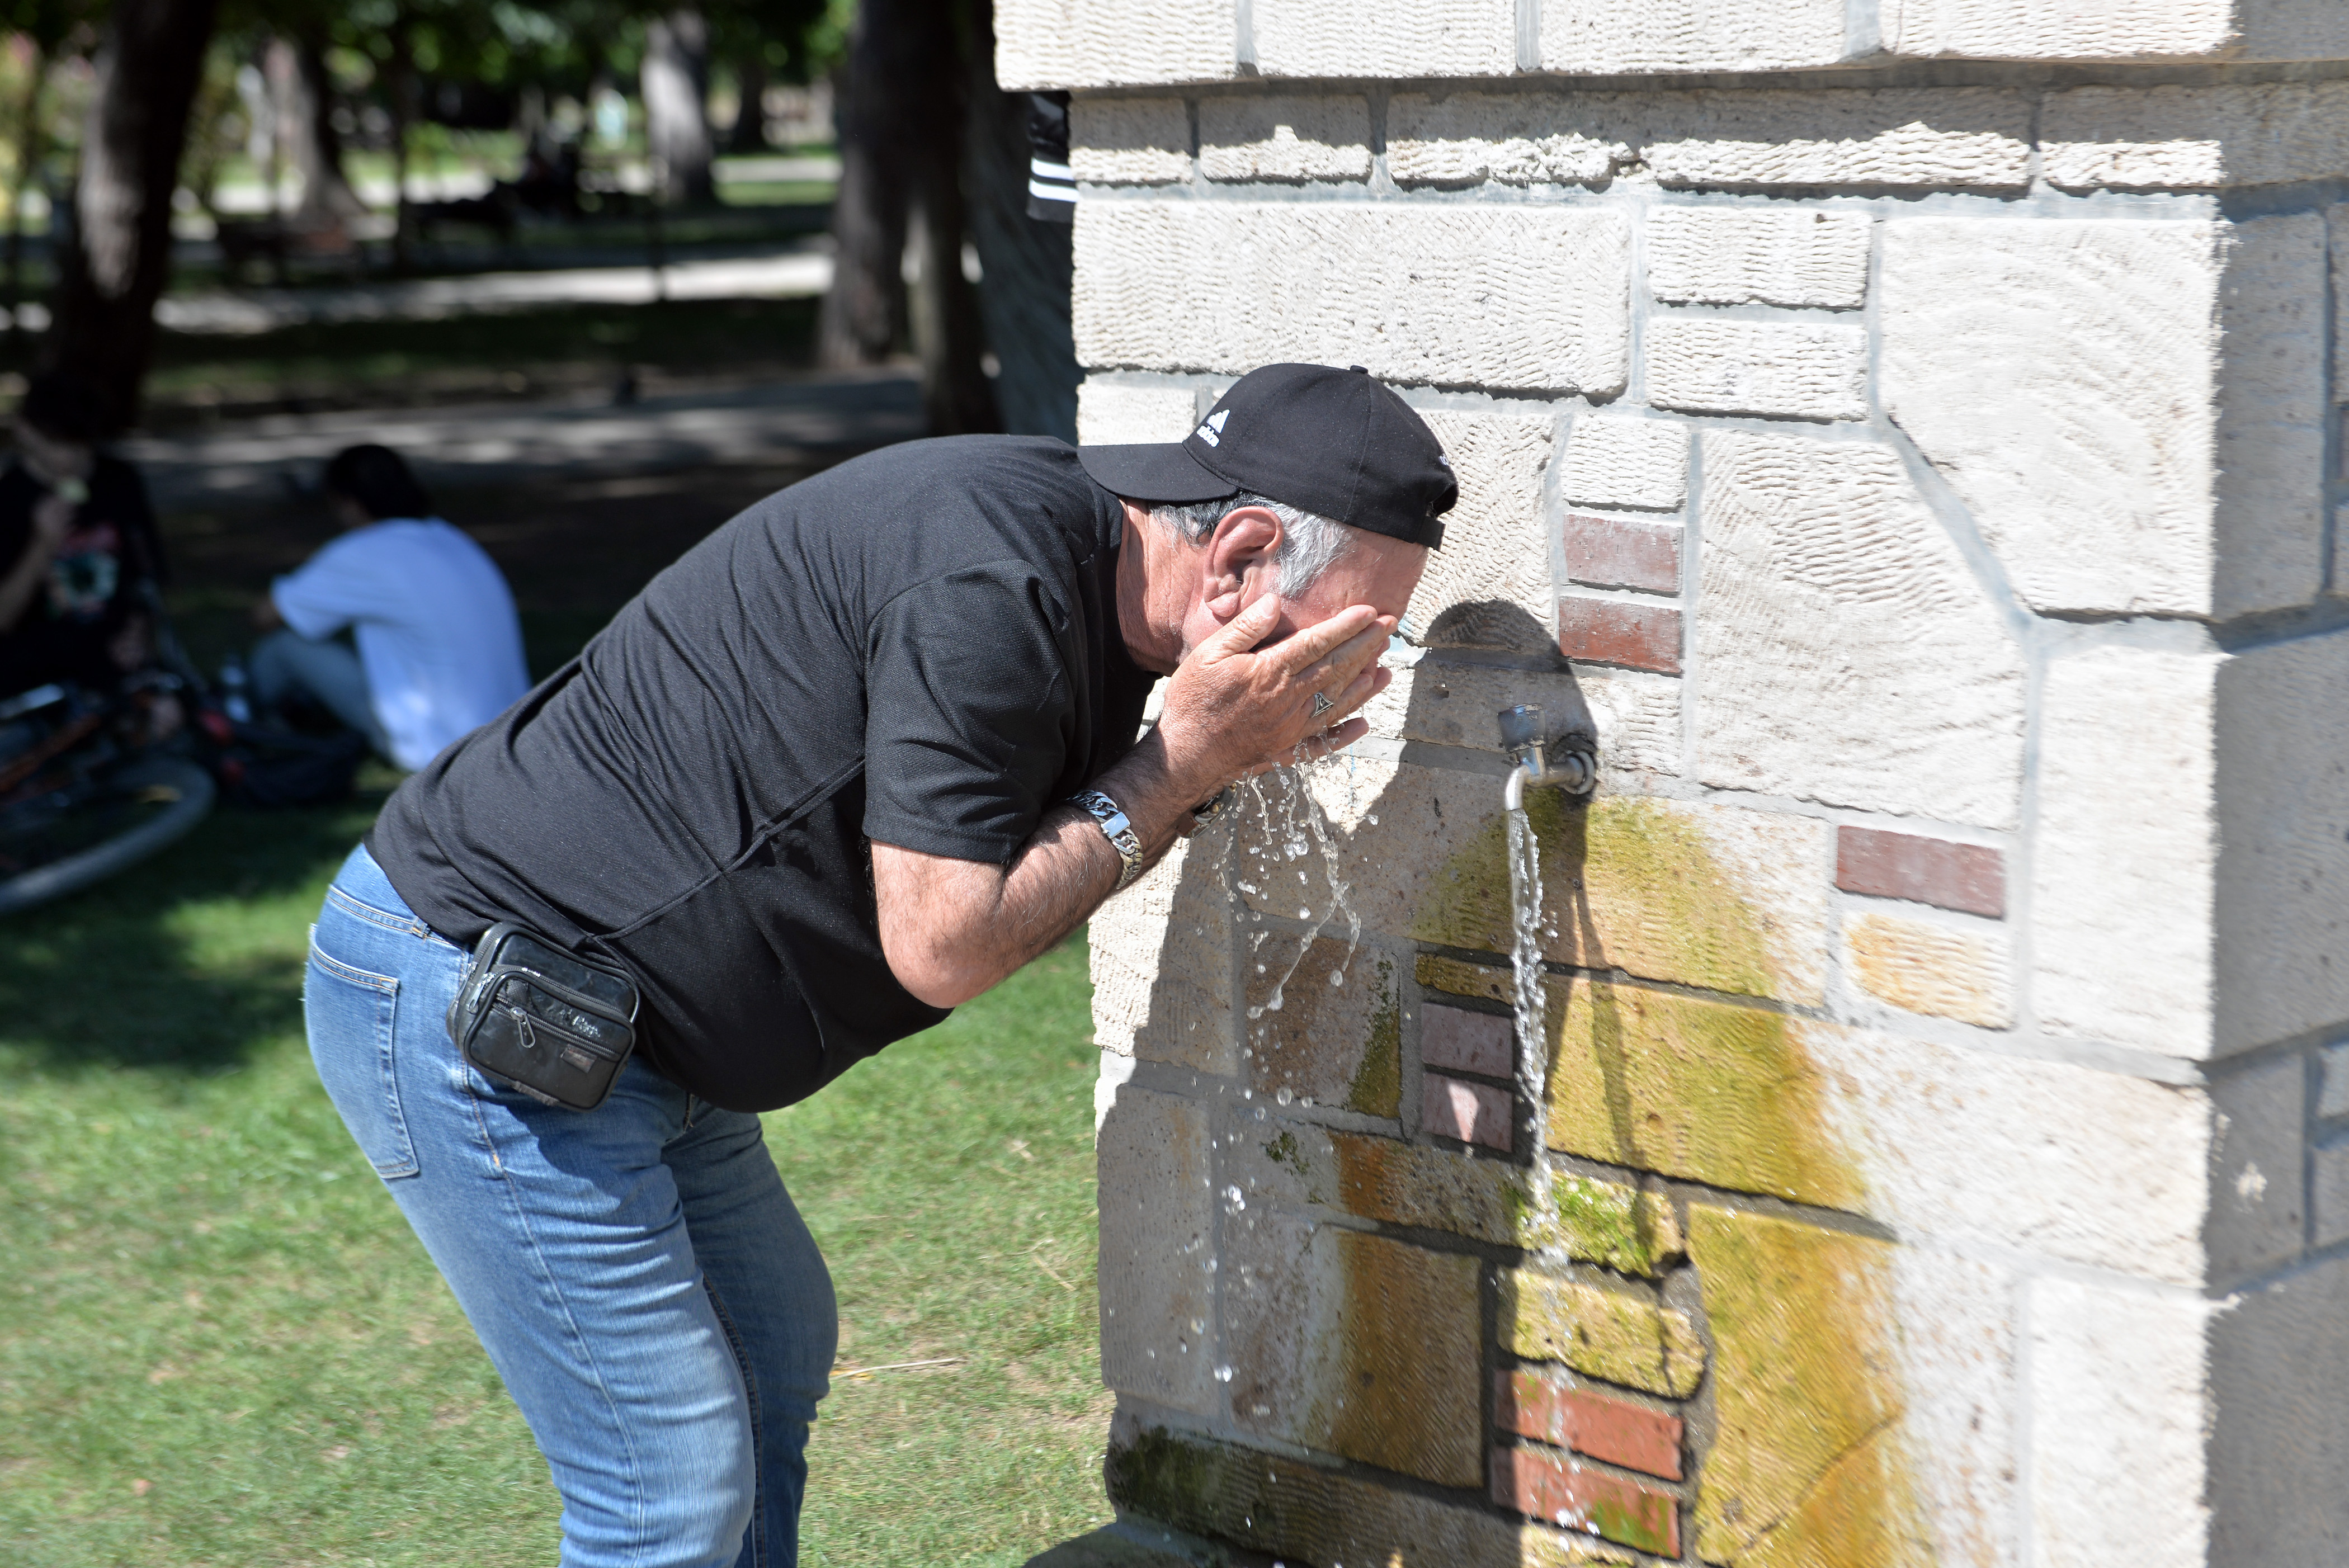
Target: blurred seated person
(79, 560)
(439, 649)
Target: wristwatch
(1116, 830)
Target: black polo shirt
(919, 646)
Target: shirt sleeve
(968, 713)
(328, 591)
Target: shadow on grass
(186, 964)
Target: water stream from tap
(1526, 967)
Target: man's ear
(1238, 567)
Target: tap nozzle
(1568, 762)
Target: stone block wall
(1908, 436)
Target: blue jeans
(636, 1273)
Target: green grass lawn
(219, 1344)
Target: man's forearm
(976, 924)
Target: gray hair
(1309, 543)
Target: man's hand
(952, 929)
(1235, 708)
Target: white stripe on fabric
(1044, 170)
(1043, 193)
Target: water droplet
(1374, 819)
(1284, 1096)
(1337, 977)
(1304, 913)
(1199, 1325)
(1223, 1374)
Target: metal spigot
(1568, 762)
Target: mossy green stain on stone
(1377, 1089)
(1609, 1224)
(1629, 882)
(1805, 1467)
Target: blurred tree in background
(117, 111)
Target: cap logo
(1212, 432)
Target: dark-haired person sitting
(439, 649)
(77, 547)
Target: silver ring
(1321, 705)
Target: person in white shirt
(440, 647)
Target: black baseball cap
(1324, 440)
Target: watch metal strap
(1111, 817)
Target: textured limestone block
(1489, 585)
(1535, 298)
(2132, 1364)
(2282, 900)
(1968, 1145)
(2049, 371)
(1966, 138)
(1386, 37)
(1113, 43)
(2174, 138)
(2329, 1191)
(1708, 366)
(1731, 255)
(1636, 718)
(1129, 141)
(2332, 1071)
(1328, 1029)
(1312, 1513)
(1592, 1221)
(1850, 655)
(2279, 1370)
(1317, 137)
(2122, 896)
(1714, 896)
(1109, 415)
(2020, 29)
(1162, 963)
(1156, 1236)
(2259, 1200)
(1811, 1320)
(1637, 463)
(1604, 38)
(1616, 1335)
(2272, 413)
(1920, 967)
(1516, 138)
(1354, 1344)
(1963, 138)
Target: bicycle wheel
(132, 812)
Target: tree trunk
(676, 84)
(29, 153)
(749, 132)
(306, 127)
(901, 122)
(399, 87)
(1025, 264)
(109, 278)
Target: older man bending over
(854, 758)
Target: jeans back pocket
(351, 1014)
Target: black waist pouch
(557, 1027)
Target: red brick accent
(1467, 1042)
(1556, 1491)
(1964, 877)
(1611, 632)
(1609, 554)
(1471, 1112)
(1615, 1430)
